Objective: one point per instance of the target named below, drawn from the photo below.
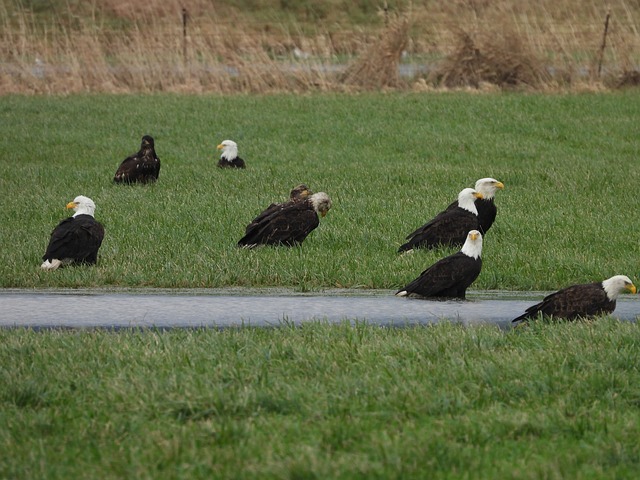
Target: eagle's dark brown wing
(289, 225)
(448, 228)
(448, 277)
(235, 163)
(77, 238)
(572, 302)
(142, 167)
(270, 210)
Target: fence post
(184, 34)
(604, 42)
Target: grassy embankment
(389, 162)
(551, 401)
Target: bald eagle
(448, 228)
(141, 167)
(75, 239)
(229, 157)
(450, 276)
(289, 225)
(583, 300)
(486, 206)
(297, 194)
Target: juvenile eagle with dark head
(450, 276)
(229, 157)
(289, 225)
(76, 239)
(584, 300)
(450, 227)
(141, 167)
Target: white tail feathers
(51, 265)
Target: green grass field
(550, 401)
(390, 162)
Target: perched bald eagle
(75, 239)
(141, 167)
(486, 206)
(583, 300)
(448, 228)
(229, 157)
(289, 225)
(450, 276)
(297, 194)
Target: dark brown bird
(229, 157)
(585, 300)
(289, 225)
(76, 239)
(141, 167)
(297, 194)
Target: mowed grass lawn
(552, 401)
(323, 401)
(390, 162)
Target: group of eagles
(462, 224)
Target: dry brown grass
(377, 67)
(120, 46)
(498, 58)
(630, 78)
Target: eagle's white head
(616, 285)
(229, 149)
(321, 203)
(82, 206)
(488, 187)
(467, 198)
(473, 244)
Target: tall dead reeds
(498, 58)
(115, 46)
(377, 67)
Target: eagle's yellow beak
(478, 195)
(500, 185)
(632, 288)
(474, 235)
(220, 147)
(72, 205)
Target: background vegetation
(389, 162)
(334, 45)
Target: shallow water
(227, 308)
